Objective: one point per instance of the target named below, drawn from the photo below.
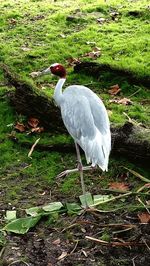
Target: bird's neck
(58, 96)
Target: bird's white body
(86, 119)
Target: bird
(86, 119)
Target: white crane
(85, 118)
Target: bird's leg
(80, 169)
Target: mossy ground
(35, 34)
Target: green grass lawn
(35, 34)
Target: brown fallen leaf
(114, 90)
(144, 217)
(96, 49)
(63, 255)
(33, 122)
(56, 242)
(37, 129)
(20, 127)
(101, 20)
(73, 61)
(124, 101)
(12, 21)
(38, 17)
(94, 54)
(35, 74)
(114, 15)
(119, 186)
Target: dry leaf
(38, 17)
(101, 20)
(35, 74)
(96, 49)
(73, 61)
(37, 129)
(33, 122)
(114, 90)
(144, 217)
(25, 49)
(63, 255)
(62, 35)
(56, 242)
(13, 21)
(83, 251)
(20, 127)
(94, 54)
(91, 43)
(123, 101)
(119, 186)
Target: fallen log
(30, 101)
(96, 70)
(129, 140)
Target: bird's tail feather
(97, 150)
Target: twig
(145, 186)
(1, 252)
(113, 244)
(16, 261)
(143, 204)
(123, 192)
(74, 247)
(137, 175)
(133, 261)
(124, 230)
(146, 244)
(99, 225)
(134, 93)
(112, 199)
(97, 240)
(129, 119)
(32, 148)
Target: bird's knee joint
(80, 167)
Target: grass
(35, 34)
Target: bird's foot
(62, 174)
(67, 172)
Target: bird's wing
(96, 105)
(77, 117)
(99, 113)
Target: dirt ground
(65, 241)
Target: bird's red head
(58, 70)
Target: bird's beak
(46, 71)
(40, 73)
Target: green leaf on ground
(73, 208)
(54, 206)
(22, 225)
(10, 215)
(34, 211)
(87, 198)
(42, 210)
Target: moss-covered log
(30, 101)
(130, 141)
(96, 70)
